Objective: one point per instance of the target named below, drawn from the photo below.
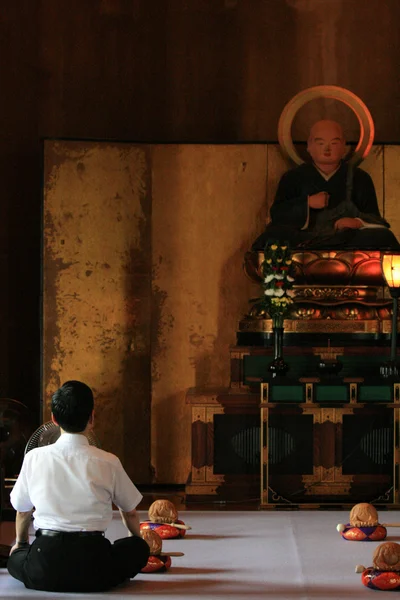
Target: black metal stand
(278, 366)
(391, 368)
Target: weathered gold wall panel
(208, 205)
(96, 311)
(392, 188)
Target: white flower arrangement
(277, 283)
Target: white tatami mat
(247, 555)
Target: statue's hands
(347, 223)
(319, 200)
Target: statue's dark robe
(292, 220)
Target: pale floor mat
(247, 555)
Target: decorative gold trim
(328, 482)
(328, 353)
(309, 393)
(319, 326)
(334, 293)
(329, 414)
(321, 415)
(201, 490)
(198, 414)
(331, 475)
(264, 392)
(387, 326)
(353, 393)
(396, 393)
(337, 489)
(198, 475)
(366, 123)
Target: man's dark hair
(72, 404)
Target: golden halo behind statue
(367, 129)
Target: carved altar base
(336, 292)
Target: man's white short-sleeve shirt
(72, 486)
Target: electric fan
(49, 432)
(15, 429)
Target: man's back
(72, 486)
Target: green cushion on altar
(375, 393)
(331, 393)
(286, 393)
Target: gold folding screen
(142, 279)
(143, 284)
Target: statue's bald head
(326, 129)
(326, 144)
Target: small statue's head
(163, 511)
(363, 515)
(326, 144)
(153, 540)
(387, 557)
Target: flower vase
(278, 367)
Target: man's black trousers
(75, 562)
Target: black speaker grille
(290, 444)
(368, 444)
(236, 444)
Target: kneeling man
(69, 487)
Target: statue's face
(326, 143)
(387, 557)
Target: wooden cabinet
(225, 445)
(319, 443)
(322, 440)
(337, 445)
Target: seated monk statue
(327, 204)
